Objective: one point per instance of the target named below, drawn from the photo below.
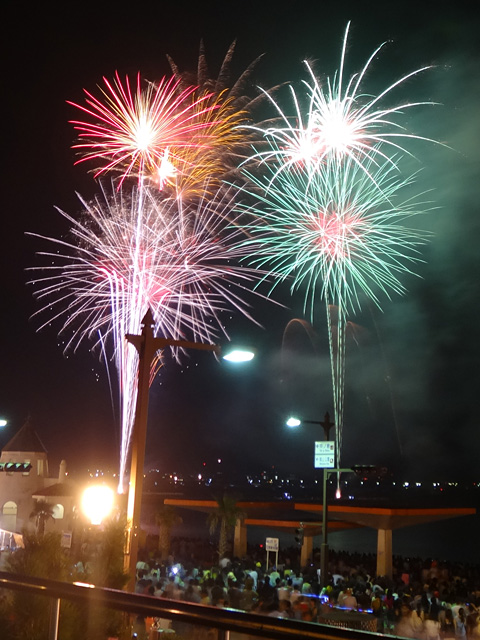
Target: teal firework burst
(342, 234)
(337, 233)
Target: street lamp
(147, 346)
(239, 355)
(293, 422)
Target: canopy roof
(289, 514)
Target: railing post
(54, 617)
(226, 621)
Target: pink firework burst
(133, 131)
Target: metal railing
(225, 620)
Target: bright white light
(97, 503)
(166, 171)
(239, 355)
(293, 422)
(3, 422)
(144, 134)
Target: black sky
(412, 380)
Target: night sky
(412, 391)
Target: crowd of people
(426, 600)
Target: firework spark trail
(207, 161)
(230, 139)
(338, 233)
(133, 132)
(132, 252)
(339, 121)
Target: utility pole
(147, 346)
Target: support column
(240, 539)
(307, 550)
(384, 553)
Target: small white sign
(271, 544)
(66, 540)
(325, 446)
(324, 457)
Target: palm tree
(166, 519)
(106, 561)
(41, 556)
(42, 511)
(224, 516)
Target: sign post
(324, 458)
(271, 544)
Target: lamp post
(326, 425)
(147, 346)
(324, 546)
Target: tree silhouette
(225, 517)
(166, 519)
(42, 511)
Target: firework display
(229, 138)
(341, 233)
(236, 91)
(181, 135)
(134, 251)
(165, 238)
(337, 120)
(317, 197)
(203, 166)
(334, 202)
(337, 231)
(137, 132)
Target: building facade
(21, 490)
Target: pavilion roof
(311, 513)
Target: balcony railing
(224, 620)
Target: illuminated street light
(97, 503)
(293, 422)
(367, 470)
(3, 422)
(239, 355)
(326, 425)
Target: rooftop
(25, 440)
